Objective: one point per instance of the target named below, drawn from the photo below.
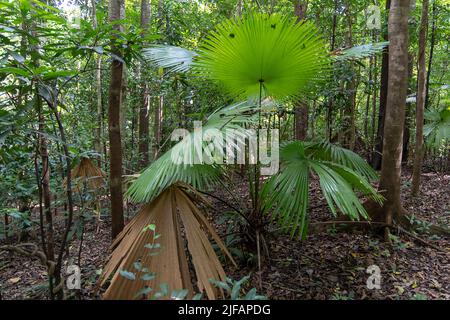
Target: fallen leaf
(14, 280)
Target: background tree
(115, 140)
(420, 100)
(390, 184)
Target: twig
(423, 241)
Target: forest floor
(329, 264)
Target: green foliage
(260, 50)
(437, 130)
(181, 162)
(173, 58)
(360, 52)
(340, 174)
(234, 289)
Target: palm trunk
(421, 96)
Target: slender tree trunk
(114, 105)
(158, 118)
(300, 108)
(390, 183)
(368, 89)
(98, 87)
(44, 178)
(329, 115)
(420, 101)
(349, 128)
(144, 109)
(407, 126)
(45, 181)
(374, 106)
(430, 59)
(377, 156)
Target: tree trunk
(377, 155)
(430, 59)
(349, 129)
(420, 101)
(390, 183)
(374, 106)
(98, 87)
(329, 119)
(300, 107)
(159, 105)
(407, 126)
(114, 105)
(44, 179)
(144, 109)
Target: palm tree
(257, 59)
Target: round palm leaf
(268, 54)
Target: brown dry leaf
(87, 171)
(171, 264)
(14, 280)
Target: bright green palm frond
(437, 130)
(186, 160)
(326, 151)
(286, 194)
(360, 52)
(173, 58)
(263, 52)
(338, 191)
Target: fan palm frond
(285, 195)
(326, 151)
(437, 130)
(359, 52)
(164, 258)
(264, 52)
(175, 59)
(87, 171)
(182, 161)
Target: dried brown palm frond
(87, 171)
(168, 212)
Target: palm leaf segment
(437, 130)
(340, 172)
(172, 209)
(174, 58)
(359, 52)
(260, 49)
(181, 163)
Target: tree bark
(430, 59)
(390, 183)
(158, 117)
(114, 105)
(329, 120)
(300, 107)
(349, 128)
(407, 126)
(377, 155)
(420, 101)
(144, 109)
(98, 87)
